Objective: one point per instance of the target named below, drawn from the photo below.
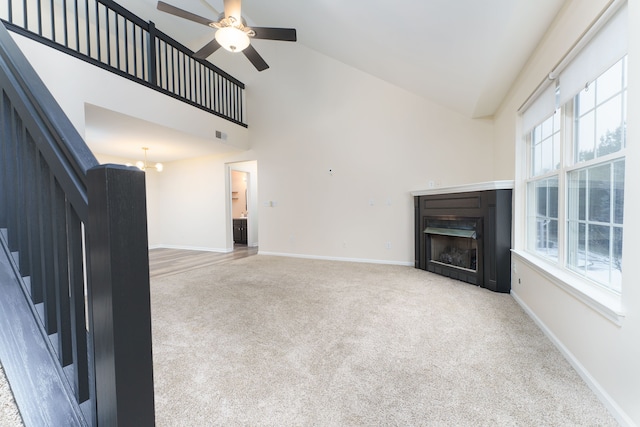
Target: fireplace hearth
(465, 233)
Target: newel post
(119, 296)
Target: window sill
(604, 302)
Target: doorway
(242, 224)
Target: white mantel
(480, 186)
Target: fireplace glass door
(453, 242)
(460, 252)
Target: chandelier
(143, 165)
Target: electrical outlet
(387, 245)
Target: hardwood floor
(165, 262)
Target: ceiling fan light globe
(232, 39)
(159, 167)
(140, 165)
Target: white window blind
(606, 48)
(541, 108)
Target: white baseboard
(192, 248)
(328, 258)
(604, 397)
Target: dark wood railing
(75, 234)
(107, 35)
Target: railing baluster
(20, 204)
(30, 214)
(185, 77)
(39, 3)
(87, 27)
(126, 46)
(226, 97)
(35, 238)
(78, 313)
(173, 69)
(134, 50)
(98, 37)
(235, 102)
(217, 92)
(66, 24)
(165, 58)
(151, 61)
(53, 21)
(107, 33)
(144, 47)
(26, 158)
(46, 248)
(4, 136)
(194, 85)
(61, 274)
(76, 22)
(207, 87)
(117, 41)
(9, 198)
(24, 14)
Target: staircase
(75, 323)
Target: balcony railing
(105, 34)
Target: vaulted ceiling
(461, 54)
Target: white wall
(605, 354)
(310, 114)
(307, 114)
(189, 203)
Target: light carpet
(9, 415)
(274, 341)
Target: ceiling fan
(232, 32)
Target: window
(543, 223)
(542, 192)
(594, 223)
(576, 140)
(545, 146)
(595, 199)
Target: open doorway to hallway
(242, 225)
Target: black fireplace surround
(466, 236)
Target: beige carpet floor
(271, 341)
(9, 415)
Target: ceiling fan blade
(165, 7)
(233, 8)
(255, 58)
(284, 34)
(207, 49)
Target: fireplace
(454, 247)
(453, 242)
(466, 235)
